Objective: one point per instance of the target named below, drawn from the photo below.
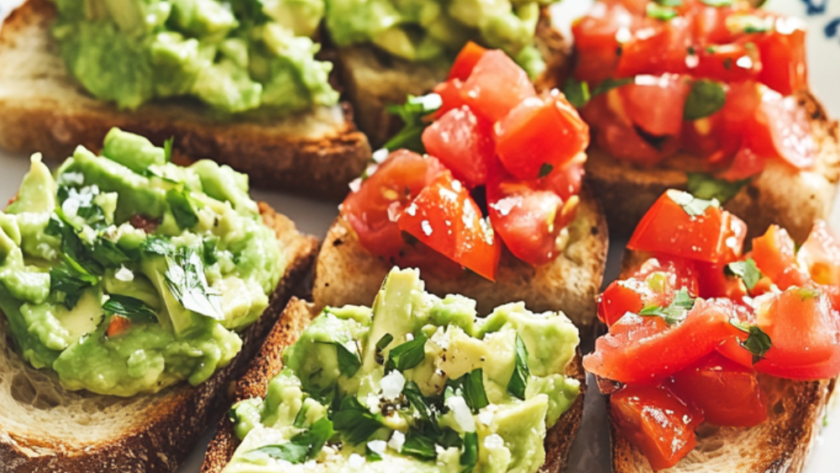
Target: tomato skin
(619, 298)
(118, 326)
(656, 422)
(372, 210)
(538, 132)
(527, 219)
(774, 254)
(715, 237)
(465, 61)
(565, 181)
(728, 63)
(496, 86)
(727, 393)
(463, 143)
(645, 349)
(781, 129)
(450, 95)
(596, 43)
(821, 254)
(445, 217)
(646, 90)
(666, 50)
(786, 54)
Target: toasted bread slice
(779, 445)
(268, 364)
(346, 273)
(780, 194)
(45, 428)
(373, 79)
(43, 109)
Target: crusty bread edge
(319, 167)
(787, 452)
(268, 364)
(163, 442)
(628, 191)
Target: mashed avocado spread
(416, 384)
(126, 273)
(433, 30)
(234, 56)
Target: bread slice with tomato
(494, 210)
(709, 99)
(42, 108)
(733, 388)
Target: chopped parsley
(348, 362)
(519, 380)
(676, 311)
(706, 98)
(129, 307)
(187, 282)
(471, 387)
(705, 186)
(408, 355)
(355, 421)
(302, 447)
(412, 114)
(746, 270)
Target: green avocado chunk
(124, 276)
(417, 383)
(233, 56)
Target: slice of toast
(268, 364)
(373, 79)
(779, 445)
(346, 273)
(44, 109)
(45, 428)
(780, 194)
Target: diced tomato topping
(596, 41)
(783, 50)
(372, 210)
(656, 422)
(714, 236)
(117, 326)
(496, 86)
(450, 96)
(655, 48)
(540, 134)
(715, 282)
(646, 349)
(638, 97)
(445, 217)
(728, 63)
(565, 181)
(528, 219)
(465, 61)
(463, 143)
(726, 393)
(774, 254)
(782, 130)
(821, 255)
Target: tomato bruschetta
(482, 191)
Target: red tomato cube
(496, 86)
(465, 61)
(462, 142)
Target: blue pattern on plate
(818, 8)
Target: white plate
(590, 451)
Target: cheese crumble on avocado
(126, 273)
(417, 384)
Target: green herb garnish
(519, 380)
(182, 208)
(355, 421)
(706, 98)
(303, 446)
(412, 114)
(676, 311)
(693, 206)
(705, 186)
(469, 457)
(408, 355)
(129, 307)
(746, 270)
(348, 361)
(187, 282)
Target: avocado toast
(292, 135)
(131, 295)
(448, 390)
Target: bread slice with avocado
(43, 108)
(277, 361)
(346, 273)
(780, 194)
(781, 444)
(114, 348)
(373, 79)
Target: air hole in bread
(23, 391)
(778, 408)
(711, 445)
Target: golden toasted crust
(43, 109)
(346, 273)
(779, 445)
(780, 194)
(373, 80)
(44, 428)
(268, 364)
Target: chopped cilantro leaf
(348, 361)
(412, 114)
(706, 98)
(676, 311)
(303, 446)
(182, 208)
(187, 282)
(746, 270)
(577, 92)
(127, 306)
(659, 12)
(355, 421)
(705, 186)
(408, 355)
(519, 380)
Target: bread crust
(780, 194)
(779, 445)
(269, 363)
(43, 109)
(373, 79)
(346, 273)
(165, 426)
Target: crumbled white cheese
(409, 336)
(355, 461)
(485, 417)
(440, 338)
(70, 207)
(372, 403)
(494, 441)
(124, 274)
(377, 446)
(463, 416)
(392, 385)
(397, 441)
